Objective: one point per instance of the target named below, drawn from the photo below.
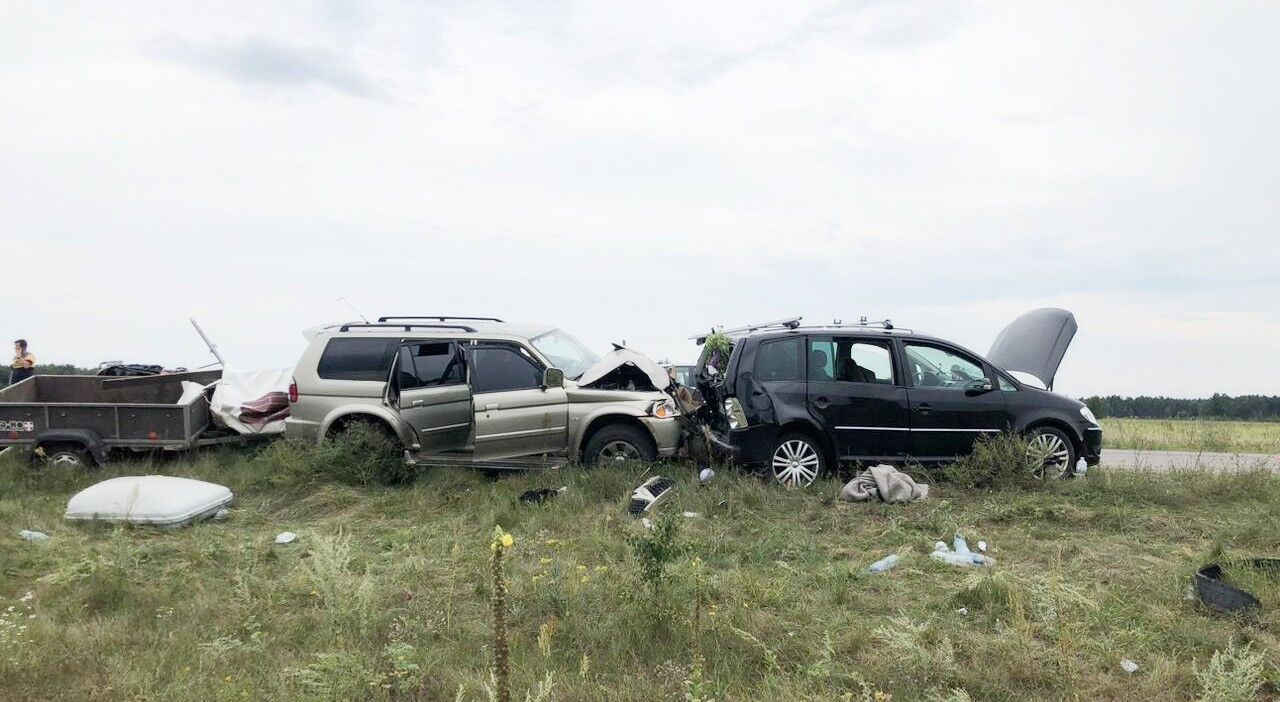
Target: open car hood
(1035, 343)
(621, 357)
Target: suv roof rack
(441, 318)
(788, 323)
(885, 324)
(406, 327)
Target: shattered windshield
(565, 352)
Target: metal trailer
(77, 420)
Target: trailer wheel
(65, 457)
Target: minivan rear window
(357, 359)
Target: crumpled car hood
(621, 356)
(1035, 343)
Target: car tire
(796, 461)
(1051, 453)
(619, 443)
(64, 457)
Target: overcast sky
(641, 171)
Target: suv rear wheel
(1051, 453)
(796, 461)
(619, 443)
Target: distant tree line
(50, 369)
(1245, 407)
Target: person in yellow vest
(24, 362)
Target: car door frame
(439, 418)
(875, 435)
(929, 441)
(520, 423)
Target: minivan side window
(429, 365)
(779, 359)
(861, 361)
(357, 359)
(935, 367)
(502, 368)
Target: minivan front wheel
(797, 461)
(1050, 453)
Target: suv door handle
(416, 403)
(924, 408)
(491, 407)
(821, 402)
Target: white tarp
(252, 402)
(159, 500)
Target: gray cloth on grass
(884, 483)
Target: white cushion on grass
(149, 499)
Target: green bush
(360, 455)
(998, 462)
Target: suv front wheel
(796, 461)
(619, 443)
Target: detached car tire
(1051, 452)
(619, 443)
(796, 461)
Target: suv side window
(429, 365)
(779, 359)
(501, 368)
(936, 367)
(357, 359)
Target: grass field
(1191, 435)
(386, 594)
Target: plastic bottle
(885, 563)
(1082, 467)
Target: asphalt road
(1165, 460)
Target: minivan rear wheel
(1051, 453)
(796, 461)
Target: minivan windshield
(565, 352)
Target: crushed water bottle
(1082, 467)
(885, 563)
(961, 556)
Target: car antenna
(353, 308)
(213, 348)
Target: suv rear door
(952, 399)
(429, 390)
(858, 394)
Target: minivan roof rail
(442, 318)
(885, 324)
(788, 323)
(406, 327)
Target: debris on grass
(541, 494)
(286, 537)
(28, 535)
(1128, 666)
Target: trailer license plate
(17, 426)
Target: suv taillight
(293, 391)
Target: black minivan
(796, 400)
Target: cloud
(264, 61)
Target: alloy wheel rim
(796, 463)
(619, 452)
(1047, 451)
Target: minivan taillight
(293, 391)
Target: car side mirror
(552, 378)
(979, 386)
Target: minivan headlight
(1088, 415)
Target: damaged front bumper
(668, 434)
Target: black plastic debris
(541, 494)
(646, 497)
(1221, 596)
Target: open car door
(428, 389)
(1035, 343)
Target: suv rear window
(357, 359)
